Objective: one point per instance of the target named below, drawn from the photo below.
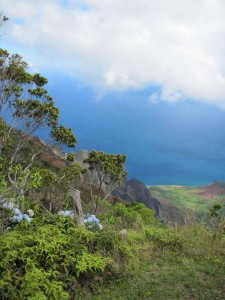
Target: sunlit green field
(189, 200)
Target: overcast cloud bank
(129, 44)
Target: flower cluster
(90, 220)
(66, 213)
(17, 214)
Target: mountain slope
(181, 202)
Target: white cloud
(122, 44)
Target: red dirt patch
(212, 190)
(53, 161)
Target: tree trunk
(77, 207)
(21, 200)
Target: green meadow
(189, 200)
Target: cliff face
(80, 156)
(134, 190)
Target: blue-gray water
(181, 144)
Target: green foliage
(109, 168)
(40, 260)
(203, 244)
(51, 258)
(5, 219)
(28, 105)
(71, 173)
(3, 127)
(147, 215)
(39, 80)
(48, 178)
(55, 189)
(64, 136)
(164, 275)
(21, 176)
(134, 215)
(164, 237)
(90, 262)
(186, 262)
(70, 157)
(214, 211)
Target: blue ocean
(178, 144)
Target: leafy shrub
(124, 252)
(38, 260)
(134, 215)
(147, 215)
(164, 237)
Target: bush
(147, 215)
(39, 261)
(134, 215)
(164, 237)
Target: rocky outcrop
(80, 156)
(134, 190)
(52, 157)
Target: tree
(25, 107)
(107, 170)
(57, 186)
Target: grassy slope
(185, 262)
(167, 278)
(183, 201)
(196, 270)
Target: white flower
(100, 226)
(66, 213)
(30, 212)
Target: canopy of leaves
(24, 103)
(109, 167)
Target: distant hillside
(178, 203)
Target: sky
(177, 46)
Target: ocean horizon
(168, 144)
